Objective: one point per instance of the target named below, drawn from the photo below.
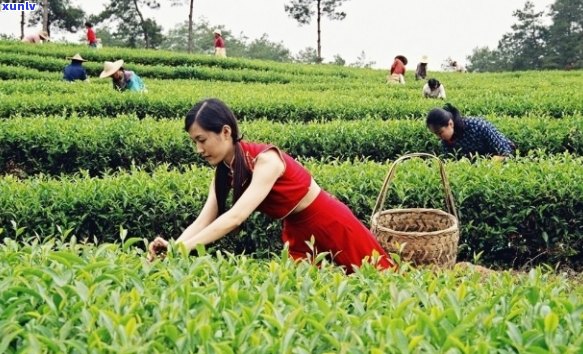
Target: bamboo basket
(422, 236)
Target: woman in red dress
(264, 178)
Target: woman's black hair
(433, 83)
(212, 115)
(440, 117)
(88, 24)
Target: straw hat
(424, 59)
(218, 31)
(109, 68)
(77, 57)
(44, 35)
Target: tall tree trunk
(46, 16)
(319, 42)
(22, 25)
(190, 34)
(142, 22)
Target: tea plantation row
(514, 211)
(54, 145)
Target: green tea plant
(517, 212)
(60, 296)
(54, 145)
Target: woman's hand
(158, 248)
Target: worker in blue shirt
(75, 70)
(467, 136)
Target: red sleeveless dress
(332, 224)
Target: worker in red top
(91, 37)
(266, 179)
(220, 50)
(397, 72)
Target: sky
(381, 29)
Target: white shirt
(437, 93)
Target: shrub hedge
(54, 145)
(278, 102)
(514, 212)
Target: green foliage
(361, 61)
(55, 145)
(168, 58)
(62, 15)
(565, 47)
(338, 60)
(484, 59)
(237, 46)
(58, 294)
(332, 92)
(131, 24)
(524, 48)
(532, 45)
(516, 212)
(521, 212)
(308, 55)
(147, 71)
(71, 297)
(22, 73)
(264, 48)
(108, 37)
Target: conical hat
(77, 57)
(109, 68)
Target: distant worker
(421, 72)
(457, 67)
(464, 137)
(434, 89)
(91, 37)
(397, 73)
(75, 70)
(123, 80)
(37, 38)
(220, 50)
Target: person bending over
(467, 136)
(264, 178)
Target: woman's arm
(498, 143)
(441, 92)
(268, 168)
(207, 215)
(426, 91)
(159, 246)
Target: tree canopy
(531, 45)
(131, 27)
(62, 15)
(304, 10)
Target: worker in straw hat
(397, 72)
(75, 70)
(421, 72)
(36, 38)
(220, 50)
(123, 80)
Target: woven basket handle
(446, 189)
